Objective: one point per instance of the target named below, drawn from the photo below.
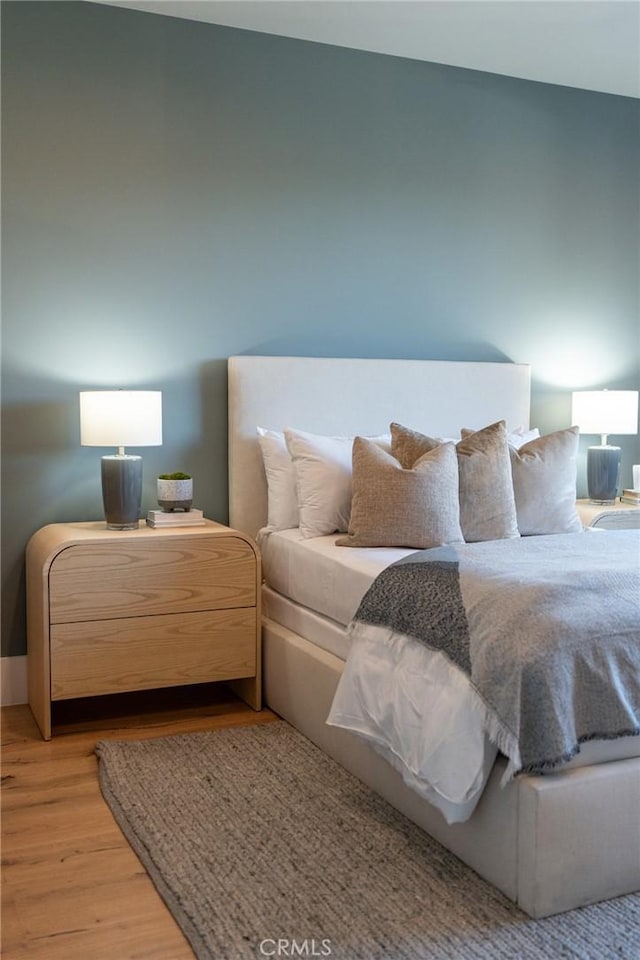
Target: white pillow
(518, 437)
(282, 501)
(323, 473)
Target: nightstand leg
(249, 690)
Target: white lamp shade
(121, 418)
(605, 411)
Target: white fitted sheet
(328, 579)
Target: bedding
(318, 574)
(314, 588)
(518, 437)
(539, 638)
(397, 507)
(312, 468)
(485, 487)
(543, 471)
(323, 469)
(328, 635)
(323, 464)
(282, 501)
(544, 483)
(322, 632)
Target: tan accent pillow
(407, 445)
(393, 507)
(487, 504)
(544, 483)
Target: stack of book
(177, 518)
(631, 496)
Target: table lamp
(604, 412)
(121, 418)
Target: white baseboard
(13, 677)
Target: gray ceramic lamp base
(121, 491)
(603, 473)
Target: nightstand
(612, 516)
(114, 611)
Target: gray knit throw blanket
(547, 630)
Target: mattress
(313, 588)
(325, 578)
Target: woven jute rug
(262, 846)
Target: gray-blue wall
(175, 192)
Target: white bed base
(549, 843)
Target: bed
(550, 843)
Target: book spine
(183, 523)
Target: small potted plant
(175, 491)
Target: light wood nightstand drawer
(110, 656)
(88, 582)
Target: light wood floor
(72, 888)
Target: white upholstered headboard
(344, 397)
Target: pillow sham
(544, 483)
(282, 501)
(408, 445)
(518, 437)
(487, 503)
(485, 488)
(323, 471)
(397, 507)
(515, 438)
